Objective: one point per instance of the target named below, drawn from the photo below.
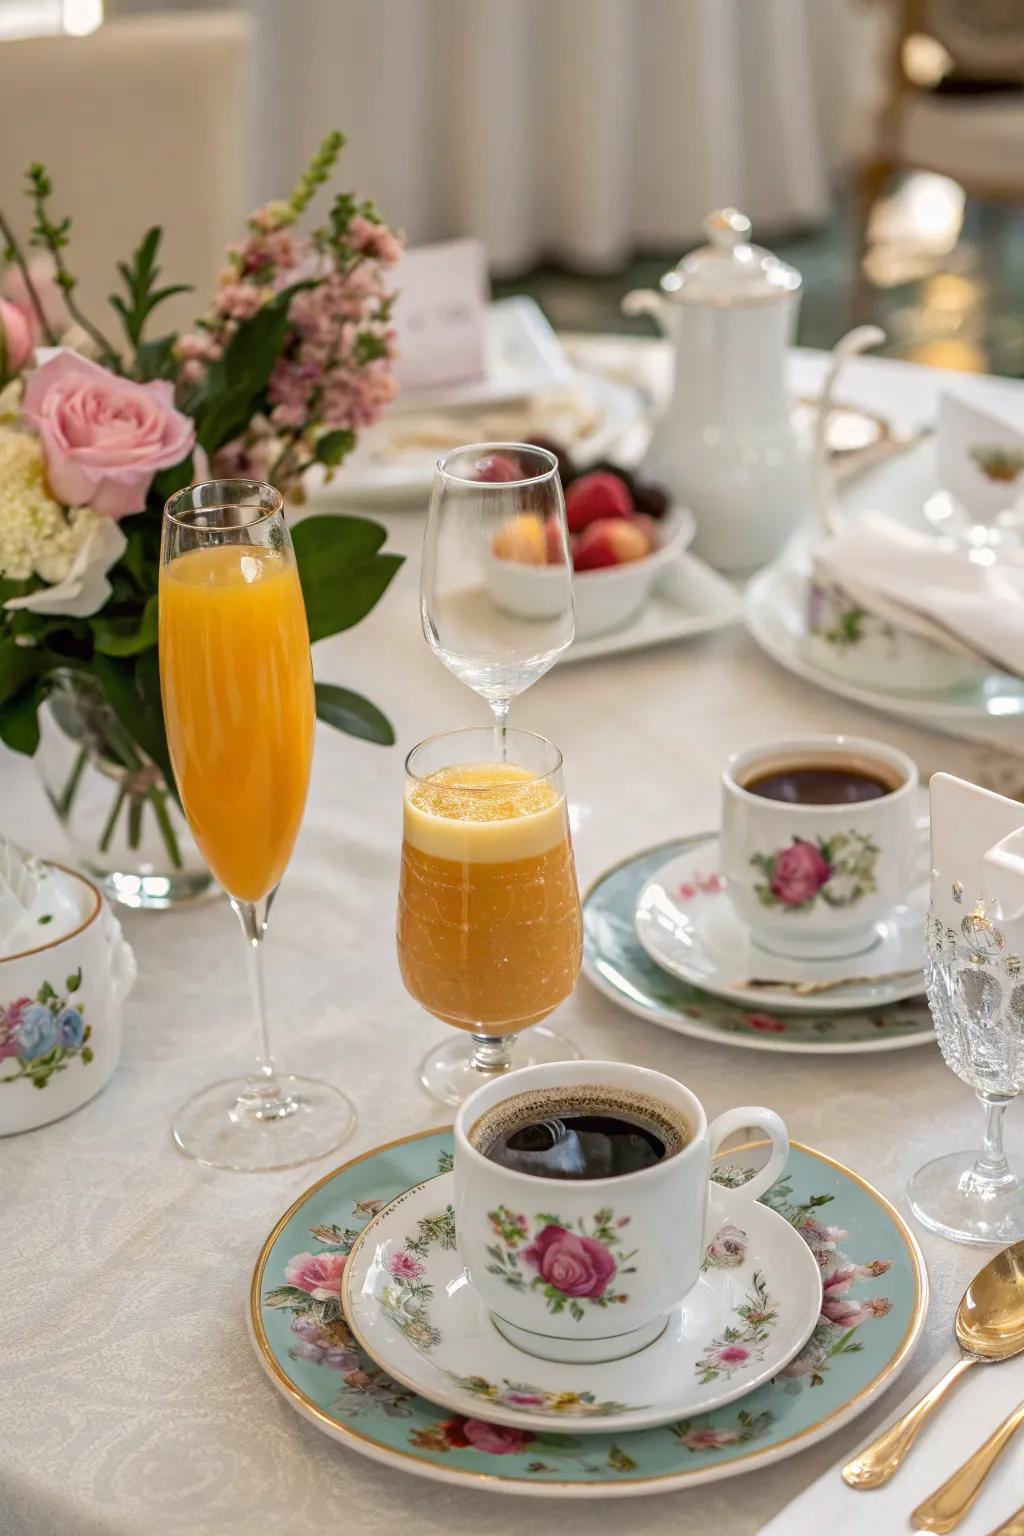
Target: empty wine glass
(496, 583)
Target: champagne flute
(489, 927)
(237, 686)
(497, 513)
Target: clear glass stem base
(256, 1125)
(956, 1196)
(453, 1070)
(155, 892)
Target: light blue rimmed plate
(876, 1297)
(616, 963)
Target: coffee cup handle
(774, 1127)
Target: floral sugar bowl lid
(65, 971)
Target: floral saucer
(410, 1304)
(616, 963)
(874, 1307)
(687, 924)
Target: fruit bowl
(606, 597)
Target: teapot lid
(729, 270)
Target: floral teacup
(60, 1014)
(588, 1269)
(814, 880)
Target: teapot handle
(645, 301)
(1006, 859)
(823, 490)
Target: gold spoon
(1012, 1527)
(812, 988)
(946, 1507)
(989, 1327)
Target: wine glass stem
(500, 709)
(991, 1169)
(262, 1096)
(492, 1053)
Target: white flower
(85, 588)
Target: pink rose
(732, 1354)
(495, 1439)
(317, 1273)
(10, 1022)
(17, 341)
(708, 1439)
(104, 437)
(799, 873)
(47, 290)
(576, 1266)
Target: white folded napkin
(935, 591)
(976, 1404)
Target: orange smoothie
(237, 685)
(489, 927)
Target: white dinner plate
(394, 461)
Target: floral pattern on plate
(569, 1267)
(615, 961)
(306, 1345)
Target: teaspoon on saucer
(813, 988)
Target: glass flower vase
(123, 823)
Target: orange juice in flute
(237, 687)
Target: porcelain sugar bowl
(65, 971)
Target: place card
(980, 459)
(440, 314)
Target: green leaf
(129, 635)
(155, 359)
(45, 993)
(10, 588)
(132, 688)
(332, 447)
(139, 278)
(165, 484)
(19, 721)
(74, 982)
(287, 1296)
(87, 1053)
(342, 576)
(350, 712)
(19, 665)
(227, 416)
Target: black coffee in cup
(579, 1133)
(833, 781)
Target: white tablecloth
(131, 1398)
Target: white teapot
(726, 445)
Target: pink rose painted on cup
(800, 872)
(104, 437)
(495, 1439)
(574, 1265)
(318, 1273)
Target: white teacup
(813, 881)
(588, 1269)
(60, 1014)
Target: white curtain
(578, 129)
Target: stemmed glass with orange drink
(489, 926)
(237, 685)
